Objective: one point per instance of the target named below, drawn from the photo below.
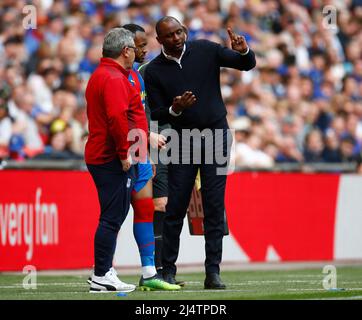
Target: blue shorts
(145, 173)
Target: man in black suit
(183, 89)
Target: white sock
(148, 271)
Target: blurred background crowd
(302, 104)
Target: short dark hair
(348, 139)
(133, 28)
(162, 20)
(13, 40)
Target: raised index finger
(231, 34)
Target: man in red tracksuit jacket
(114, 109)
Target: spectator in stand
(347, 148)
(313, 146)
(43, 83)
(90, 62)
(331, 151)
(78, 130)
(248, 151)
(5, 129)
(26, 140)
(288, 151)
(58, 148)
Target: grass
(241, 285)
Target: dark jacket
(199, 73)
(142, 70)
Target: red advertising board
(293, 213)
(47, 219)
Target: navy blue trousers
(114, 188)
(181, 180)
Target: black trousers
(181, 180)
(114, 187)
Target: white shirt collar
(173, 58)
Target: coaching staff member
(183, 88)
(114, 107)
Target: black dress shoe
(213, 281)
(170, 278)
(160, 272)
(180, 283)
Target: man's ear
(125, 52)
(158, 39)
(185, 30)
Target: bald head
(163, 20)
(171, 35)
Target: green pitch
(283, 284)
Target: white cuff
(174, 113)
(245, 53)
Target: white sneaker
(109, 283)
(89, 280)
(114, 271)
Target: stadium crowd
(302, 104)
